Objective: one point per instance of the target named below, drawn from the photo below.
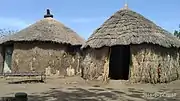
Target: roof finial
(126, 4)
(48, 14)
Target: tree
(177, 33)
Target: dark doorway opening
(119, 62)
(8, 51)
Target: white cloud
(88, 20)
(7, 22)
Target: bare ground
(76, 89)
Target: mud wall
(46, 57)
(1, 59)
(153, 64)
(93, 63)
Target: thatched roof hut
(131, 47)
(128, 27)
(46, 44)
(47, 29)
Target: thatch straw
(47, 29)
(128, 27)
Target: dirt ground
(77, 89)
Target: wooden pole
(106, 67)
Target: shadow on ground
(94, 94)
(74, 94)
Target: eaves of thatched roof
(47, 29)
(127, 27)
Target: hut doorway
(8, 59)
(119, 62)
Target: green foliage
(177, 33)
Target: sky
(84, 16)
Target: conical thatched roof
(47, 29)
(128, 27)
